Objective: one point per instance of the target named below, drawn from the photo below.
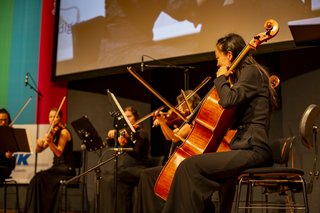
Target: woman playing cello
(198, 176)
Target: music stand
(13, 140)
(120, 122)
(88, 134)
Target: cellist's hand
(223, 70)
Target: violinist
(250, 92)
(146, 200)
(130, 165)
(43, 191)
(7, 161)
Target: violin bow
(20, 111)
(139, 78)
(186, 101)
(56, 115)
(206, 80)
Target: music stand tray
(88, 134)
(13, 140)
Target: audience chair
(79, 183)
(278, 179)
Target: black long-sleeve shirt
(250, 96)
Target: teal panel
(24, 59)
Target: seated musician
(146, 200)
(130, 164)
(249, 92)
(7, 161)
(43, 190)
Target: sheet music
(121, 110)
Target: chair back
(282, 150)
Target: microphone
(26, 79)
(142, 64)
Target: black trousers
(198, 177)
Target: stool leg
(65, 199)
(5, 196)
(17, 197)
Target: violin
(55, 128)
(173, 120)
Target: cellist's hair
(4, 111)
(235, 44)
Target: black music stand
(88, 134)
(92, 142)
(13, 140)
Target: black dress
(131, 163)
(43, 191)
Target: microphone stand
(39, 96)
(120, 122)
(96, 168)
(115, 169)
(118, 125)
(84, 193)
(36, 90)
(185, 73)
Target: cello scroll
(272, 29)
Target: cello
(210, 131)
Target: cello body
(210, 133)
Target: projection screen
(99, 35)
